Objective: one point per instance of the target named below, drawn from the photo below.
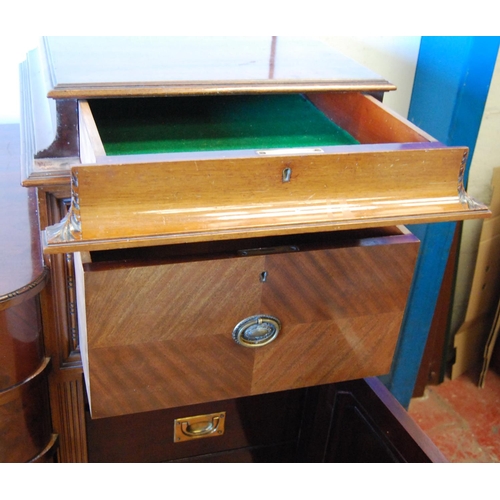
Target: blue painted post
(451, 85)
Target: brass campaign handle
(199, 426)
(198, 429)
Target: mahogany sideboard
(233, 294)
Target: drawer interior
(211, 123)
(196, 124)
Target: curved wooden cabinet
(25, 423)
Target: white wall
(392, 57)
(13, 49)
(486, 158)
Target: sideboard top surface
(82, 67)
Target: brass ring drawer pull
(256, 331)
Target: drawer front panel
(247, 196)
(160, 336)
(256, 425)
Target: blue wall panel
(452, 80)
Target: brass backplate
(199, 426)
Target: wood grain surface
(201, 200)
(367, 119)
(83, 67)
(159, 336)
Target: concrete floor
(462, 419)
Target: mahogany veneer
(159, 335)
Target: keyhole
(287, 174)
(263, 276)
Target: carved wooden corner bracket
(70, 227)
(463, 197)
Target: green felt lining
(212, 123)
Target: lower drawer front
(262, 428)
(161, 335)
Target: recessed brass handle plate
(256, 331)
(199, 426)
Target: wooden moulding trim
(50, 173)
(50, 166)
(201, 236)
(48, 452)
(159, 89)
(15, 392)
(24, 293)
(26, 128)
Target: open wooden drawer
(366, 167)
(185, 324)
(269, 136)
